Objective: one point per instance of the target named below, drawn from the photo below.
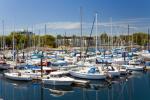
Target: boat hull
(87, 76)
(113, 73)
(135, 69)
(17, 78)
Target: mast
(111, 32)
(32, 36)
(148, 40)
(88, 42)
(96, 32)
(14, 45)
(34, 41)
(128, 36)
(81, 33)
(132, 43)
(39, 40)
(65, 40)
(3, 38)
(45, 35)
(1, 42)
(42, 65)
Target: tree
(104, 38)
(50, 40)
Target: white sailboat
(89, 72)
(18, 76)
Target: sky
(63, 16)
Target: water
(135, 87)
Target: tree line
(28, 39)
(138, 38)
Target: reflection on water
(58, 91)
(12, 90)
(133, 87)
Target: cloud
(136, 24)
(68, 25)
(60, 25)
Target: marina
(122, 88)
(42, 79)
(74, 50)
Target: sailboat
(89, 72)
(17, 75)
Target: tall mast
(148, 40)
(32, 37)
(13, 45)
(39, 40)
(3, 39)
(45, 35)
(81, 32)
(65, 40)
(1, 42)
(111, 32)
(132, 43)
(128, 46)
(96, 32)
(128, 34)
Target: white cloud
(66, 25)
(60, 25)
(139, 24)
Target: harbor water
(132, 87)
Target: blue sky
(64, 15)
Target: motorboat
(88, 73)
(58, 78)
